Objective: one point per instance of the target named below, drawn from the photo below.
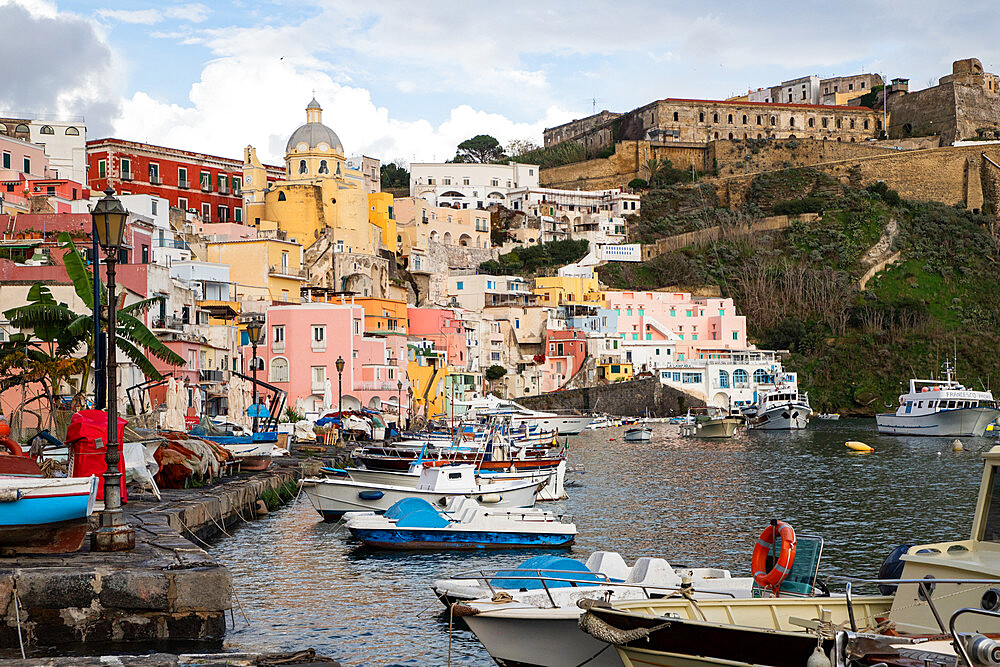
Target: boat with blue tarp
(413, 523)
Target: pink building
(303, 342)
(61, 192)
(697, 322)
(445, 328)
(565, 352)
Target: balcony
(154, 179)
(211, 376)
(183, 183)
(319, 345)
(126, 176)
(319, 387)
(286, 272)
(278, 347)
(169, 322)
(206, 187)
(378, 385)
(223, 189)
(237, 192)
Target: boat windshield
(990, 531)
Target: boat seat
(653, 572)
(609, 563)
(801, 579)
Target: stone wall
(708, 235)
(622, 398)
(746, 157)
(430, 284)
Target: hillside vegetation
(798, 287)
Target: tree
(495, 372)
(518, 147)
(395, 175)
(58, 332)
(480, 148)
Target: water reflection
(695, 502)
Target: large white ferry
(785, 408)
(940, 408)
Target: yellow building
(262, 269)
(555, 291)
(426, 370)
(614, 372)
(320, 192)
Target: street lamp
(340, 393)
(399, 404)
(254, 325)
(114, 533)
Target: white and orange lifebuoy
(11, 446)
(772, 579)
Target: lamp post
(114, 533)
(340, 394)
(399, 404)
(254, 325)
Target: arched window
(21, 129)
(281, 196)
(760, 376)
(701, 116)
(838, 124)
(866, 123)
(740, 376)
(730, 136)
(72, 131)
(716, 135)
(323, 168)
(715, 118)
(825, 122)
(852, 140)
(791, 136)
(676, 117)
(744, 119)
(279, 369)
(723, 380)
(302, 167)
(730, 121)
(773, 120)
(812, 122)
(46, 129)
(758, 120)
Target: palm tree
(63, 331)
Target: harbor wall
(167, 589)
(628, 399)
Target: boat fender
(859, 446)
(490, 498)
(10, 495)
(261, 508)
(892, 568)
(11, 446)
(957, 445)
(370, 495)
(818, 658)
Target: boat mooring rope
(17, 616)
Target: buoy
(859, 446)
(957, 445)
(611, 439)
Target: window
(6, 163)
(812, 122)
(319, 332)
(866, 123)
(459, 285)
(302, 167)
(744, 119)
(206, 181)
(279, 370)
(152, 206)
(773, 120)
(223, 213)
(319, 375)
(278, 333)
(850, 86)
(760, 376)
(237, 214)
(445, 181)
(182, 203)
(145, 254)
(825, 122)
(715, 118)
(46, 129)
(701, 116)
(206, 212)
(736, 335)
(791, 121)
(758, 120)
(126, 169)
(495, 182)
(73, 132)
(222, 182)
(862, 84)
(723, 379)
(27, 165)
(102, 166)
(284, 259)
(730, 120)
(740, 376)
(182, 177)
(676, 117)
(154, 173)
(323, 168)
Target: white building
(65, 144)
(469, 184)
(209, 281)
(475, 292)
(803, 90)
(728, 379)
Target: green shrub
(799, 206)
(638, 184)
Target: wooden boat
(709, 423)
(41, 515)
(333, 497)
(639, 434)
(413, 523)
(251, 451)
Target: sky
(410, 80)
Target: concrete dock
(167, 589)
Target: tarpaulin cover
(85, 428)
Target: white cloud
(194, 12)
(265, 115)
(141, 16)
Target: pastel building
(444, 328)
(566, 351)
(555, 291)
(690, 323)
(727, 378)
(64, 141)
(475, 292)
(468, 185)
(303, 344)
(420, 224)
(264, 270)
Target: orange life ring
(11, 446)
(786, 558)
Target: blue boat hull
(47, 520)
(441, 539)
(41, 511)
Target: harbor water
(302, 582)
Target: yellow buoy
(859, 446)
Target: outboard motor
(982, 649)
(892, 568)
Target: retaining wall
(630, 399)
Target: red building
(207, 184)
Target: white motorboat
(553, 479)
(828, 416)
(563, 424)
(784, 408)
(940, 408)
(333, 497)
(545, 617)
(413, 523)
(641, 433)
(600, 422)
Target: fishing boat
(936, 600)
(601, 422)
(413, 523)
(437, 485)
(640, 433)
(40, 515)
(563, 424)
(943, 408)
(784, 408)
(709, 423)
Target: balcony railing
(211, 376)
(287, 271)
(168, 322)
(223, 189)
(379, 385)
(206, 187)
(183, 183)
(237, 191)
(126, 176)
(155, 180)
(318, 387)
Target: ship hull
(960, 422)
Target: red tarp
(88, 459)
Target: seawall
(631, 399)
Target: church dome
(314, 134)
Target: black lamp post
(399, 404)
(114, 533)
(254, 325)
(340, 394)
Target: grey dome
(314, 134)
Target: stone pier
(167, 589)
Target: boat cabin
(460, 477)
